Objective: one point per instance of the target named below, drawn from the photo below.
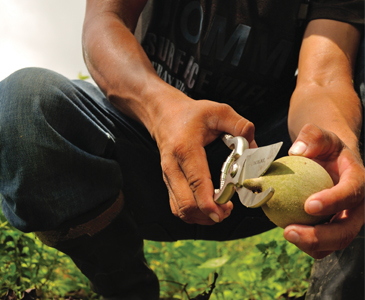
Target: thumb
(229, 121)
(314, 142)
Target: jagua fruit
(294, 179)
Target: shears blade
(260, 160)
(242, 164)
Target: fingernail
(313, 206)
(292, 237)
(298, 148)
(214, 217)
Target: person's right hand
(180, 125)
(181, 130)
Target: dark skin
(326, 130)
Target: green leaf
(267, 273)
(215, 262)
(273, 244)
(262, 247)
(83, 77)
(283, 257)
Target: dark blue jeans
(66, 154)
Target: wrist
(150, 102)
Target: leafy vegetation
(261, 267)
(27, 263)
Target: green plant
(260, 267)
(27, 263)
(82, 77)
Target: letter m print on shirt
(216, 36)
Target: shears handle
(230, 169)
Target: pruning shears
(244, 163)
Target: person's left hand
(345, 200)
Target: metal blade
(252, 200)
(256, 164)
(259, 161)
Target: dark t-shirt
(243, 53)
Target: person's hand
(181, 132)
(345, 200)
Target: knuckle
(217, 110)
(182, 150)
(224, 107)
(329, 142)
(243, 127)
(169, 167)
(165, 167)
(313, 133)
(187, 210)
(165, 162)
(194, 182)
(248, 130)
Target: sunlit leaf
(83, 77)
(215, 262)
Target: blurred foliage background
(261, 267)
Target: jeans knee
(28, 94)
(26, 83)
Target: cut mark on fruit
(257, 190)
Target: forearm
(334, 107)
(120, 67)
(325, 95)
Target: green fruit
(294, 179)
